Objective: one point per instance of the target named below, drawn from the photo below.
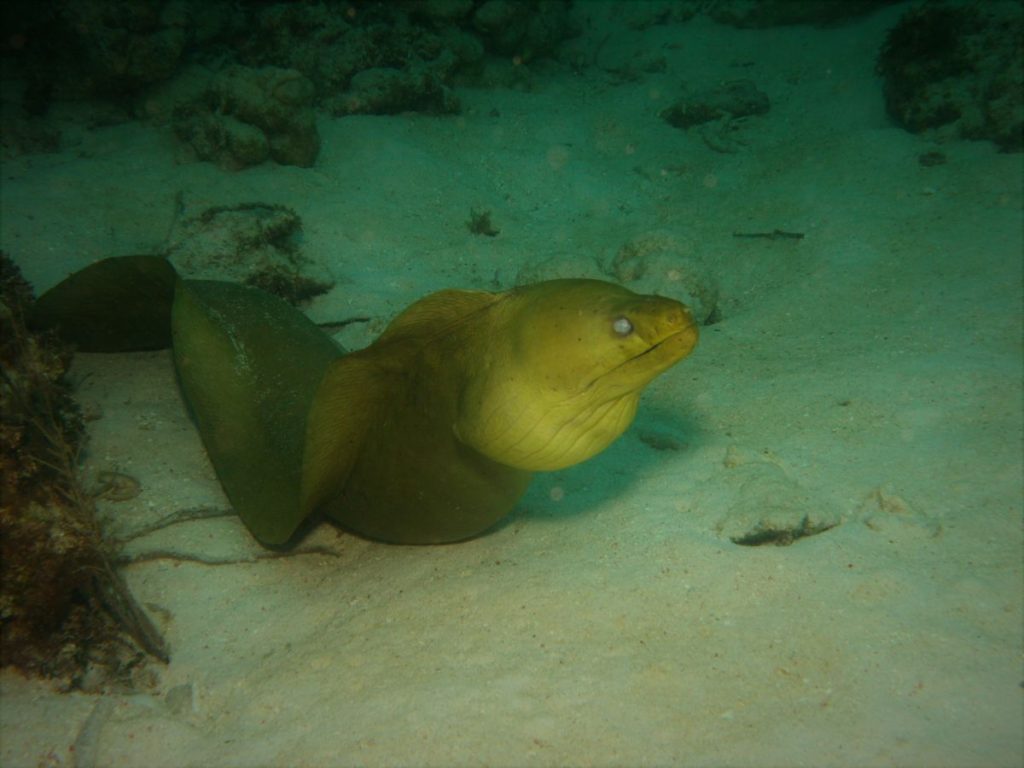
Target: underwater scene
(512, 383)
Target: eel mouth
(676, 344)
(638, 370)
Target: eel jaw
(675, 342)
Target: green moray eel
(428, 435)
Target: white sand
(870, 373)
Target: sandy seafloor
(869, 374)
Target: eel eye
(622, 326)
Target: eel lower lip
(687, 336)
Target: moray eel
(429, 435)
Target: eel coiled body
(428, 435)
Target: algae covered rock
(384, 58)
(524, 29)
(439, 10)
(252, 243)
(244, 116)
(65, 613)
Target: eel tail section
(248, 363)
(121, 304)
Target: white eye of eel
(622, 326)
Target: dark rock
(958, 69)
(761, 14)
(113, 48)
(739, 98)
(388, 91)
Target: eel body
(429, 435)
